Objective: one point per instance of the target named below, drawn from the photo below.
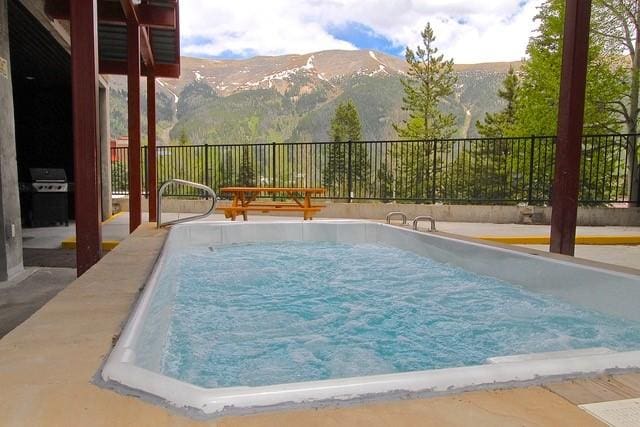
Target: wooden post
(151, 149)
(570, 122)
(84, 93)
(133, 89)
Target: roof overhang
(159, 36)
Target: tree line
(530, 98)
(530, 95)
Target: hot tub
(241, 316)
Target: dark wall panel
(41, 75)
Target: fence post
(635, 176)
(206, 169)
(349, 173)
(433, 172)
(635, 173)
(531, 153)
(145, 170)
(273, 167)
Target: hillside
(291, 98)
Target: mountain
(292, 98)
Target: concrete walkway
(115, 228)
(625, 256)
(27, 293)
(478, 229)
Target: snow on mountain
(327, 67)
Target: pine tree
(384, 178)
(184, 139)
(493, 155)
(502, 123)
(430, 80)
(345, 127)
(246, 173)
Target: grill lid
(47, 175)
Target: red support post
(151, 152)
(84, 93)
(133, 93)
(570, 123)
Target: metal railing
(478, 170)
(182, 182)
(402, 216)
(432, 222)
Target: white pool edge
(213, 401)
(120, 369)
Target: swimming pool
(252, 315)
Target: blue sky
(467, 31)
(364, 37)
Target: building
(55, 56)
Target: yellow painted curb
(107, 245)
(580, 240)
(70, 243)
(112, 217)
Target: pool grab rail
(189, 184)
(400, 214)
(429, 218)
(417, 219)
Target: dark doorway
(41, 76)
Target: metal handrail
(190, 184)
(425, 218)
(400, 214)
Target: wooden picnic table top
(272, 190)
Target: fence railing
(480, 170)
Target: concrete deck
(48, 363)
(25, 294)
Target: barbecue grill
(49, 197)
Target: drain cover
(618, 413)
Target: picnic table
(245, 200)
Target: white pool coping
(591, 287)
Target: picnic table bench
(244, 200)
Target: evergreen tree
(246, 173)
(184, 139)
(430, 80)
(385, 181)
(345, 127)
(500, 124)
(489, 159)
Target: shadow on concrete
(38, 257)
(24, 296)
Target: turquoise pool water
(270, 313)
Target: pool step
(550, 355)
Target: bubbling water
(269, 313)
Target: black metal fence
(480, 170)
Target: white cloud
(468, 31)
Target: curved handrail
(425, 218)
(190, 184)
(400, 214)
